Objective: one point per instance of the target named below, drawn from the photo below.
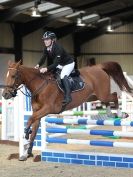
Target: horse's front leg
(28, 145)
(35, 126)
(28, 141)
(27, 129)
(34, 122)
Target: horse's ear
(9, 62)
(19, 63)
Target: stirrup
(65, 101)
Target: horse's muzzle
(9, 94)
(6, 95)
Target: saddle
(75, 81)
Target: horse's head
(12, 80)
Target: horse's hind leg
(119, 112)
(113, 98)
(108, 110)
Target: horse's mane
(48, 75)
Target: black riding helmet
(49, 35)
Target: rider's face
(47, 42)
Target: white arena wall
(116, 46)
(108, 43)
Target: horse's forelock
(14, 65)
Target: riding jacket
(57, 54)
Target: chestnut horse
(47, 97)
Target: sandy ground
(15, 168)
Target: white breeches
(66, 70)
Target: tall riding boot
(67, 96)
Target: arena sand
(15, 168)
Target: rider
(61, 59)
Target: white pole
(16, 113)
(124, 102)
(3, 133)
(21, 123)
(43, 134)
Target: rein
(35, 92)
(14, 86)
(4, 86)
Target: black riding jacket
(57, 54)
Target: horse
(46, 97)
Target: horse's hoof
(22, 158)
(30, 155)
(37, 158)
(125, 115)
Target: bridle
(14, 87)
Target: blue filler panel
(115, 161)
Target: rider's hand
(43, 70)
(37, 66)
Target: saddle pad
(76, 83)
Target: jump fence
(15, 113)
(85, 158)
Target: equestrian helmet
(49, 35)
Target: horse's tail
(114, 70)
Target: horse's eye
(13, 76)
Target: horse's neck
(28, 77)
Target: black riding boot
(67, 96)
